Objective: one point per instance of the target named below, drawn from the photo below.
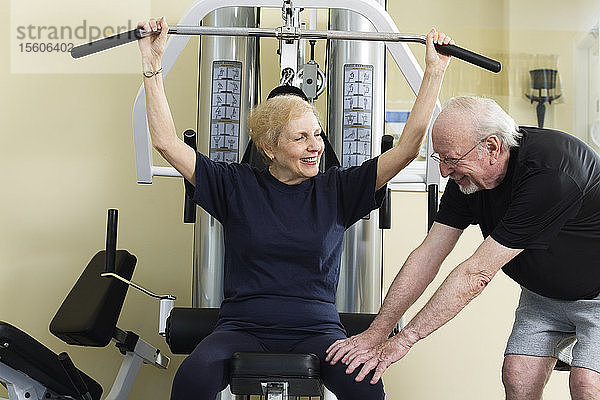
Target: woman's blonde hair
(268, 120)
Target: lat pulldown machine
(355, 86)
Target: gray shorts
(567, 330)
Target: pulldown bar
(285, 33)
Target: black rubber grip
(385, 211)
(432, 204)
(189, 207)
(111, 239)
(387, 142)
(106, 43)
(75, 377)
(469, 56)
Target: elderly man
(535, 194)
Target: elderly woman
(283, 226)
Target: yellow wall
(67, 156)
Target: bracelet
(150, 74)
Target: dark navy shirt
(283, 242)
(548, 204)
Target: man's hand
(343, 349)
(379, 358)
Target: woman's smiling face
(297, 153)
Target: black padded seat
(20, 351)
(249, 371)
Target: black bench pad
(20, 351)
(301, 371)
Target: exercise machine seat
(88, 315)
(255, 373)
(21, 352)
(250, 372)
(186, 327)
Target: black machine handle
(385, 211)
(111, 239)
(107, 43)
(83, 393)
(189, 207)
(469, 56)
(432, 204)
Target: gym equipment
(230, 86)
(286, 33)
(276, 376)
(87, 317)
(229, 49)
(355, 122)
(186, 327)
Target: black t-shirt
(283, 243)
(547, 204)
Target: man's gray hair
(488, 119)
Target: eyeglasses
(453, 162)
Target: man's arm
(415, 275)
(461, 286)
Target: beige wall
(549, 29)
(67, 156)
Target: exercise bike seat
(23, 353)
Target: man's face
(461, 157)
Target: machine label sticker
(358, 112)
(225, 106)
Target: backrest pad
(88, 315)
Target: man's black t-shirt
(548, 204)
